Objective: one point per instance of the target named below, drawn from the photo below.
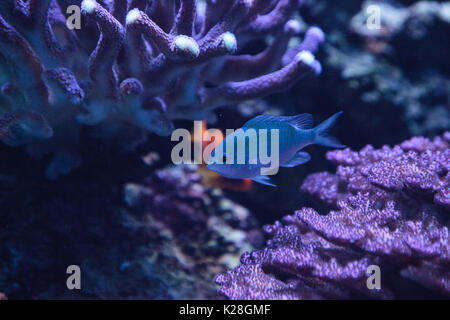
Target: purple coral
(391, 209)
(137, 63)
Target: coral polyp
(136, 64)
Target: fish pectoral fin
(264, 180)
(299, 158)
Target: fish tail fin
(323, 138)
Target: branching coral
(136, 64)
(391, 209)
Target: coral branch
(274, 82)
(184, 21)
(111, 38)
(20, 127)
(313, 38)
(19, 50)
(239, 68)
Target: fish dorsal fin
(298, 159)
(301, 121)
(261, 120)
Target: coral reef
(145, 229)
(136, 64)
(165, 241)
(390, 208)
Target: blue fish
(289, 134)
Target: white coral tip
(133, 16)
(292, 26)
(306, 57)
(187, 44)
(229, 39)
(318, 33)
(88, 6)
